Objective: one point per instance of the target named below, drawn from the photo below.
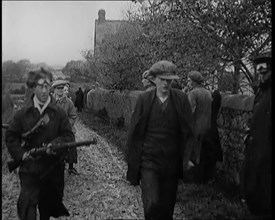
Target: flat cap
(60, 82)
(164, 69)
(195, 76)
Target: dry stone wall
(232, 123)
(117, 104)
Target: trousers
(46, 194)
(159, 193)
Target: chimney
(101, 15)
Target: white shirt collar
(163, 99)
(37, 104)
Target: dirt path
(100, 191)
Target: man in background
(256, 173)
(60, 88)
(200, 100)
(79, 100)
(147, 81)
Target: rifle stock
(13, 164)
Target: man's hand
(190, 165)
(49, 150)
(27, 155)
(187, 166)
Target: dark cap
(262, 59)
(263, 64)
(164, 69)
(34, 76)
(196, 76)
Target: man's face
(59, 90)
(263, 71)
(66, 91)
(42, 89)
(190, 83)
(163, 85)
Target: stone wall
(117, 105)
(232, 124)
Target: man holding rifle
(43, 123)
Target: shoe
(73, 171)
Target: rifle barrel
(12, 165)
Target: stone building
(104, 28)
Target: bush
(17, 91)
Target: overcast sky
(53, 32)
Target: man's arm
(13, 138)
(192, 100)
(72, 114)
(189, 152)
(132, 146)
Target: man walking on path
(159, 142)
(67, 105)
(41, 177)
(200, 100)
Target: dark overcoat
(256, 172)
(67, 104)
(79, 99)
(50, 167)
(138, 125)
(212, 149)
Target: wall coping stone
(238, 102)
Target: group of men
(165, 138)
(169, 132)
(174, 131)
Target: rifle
(12, 165)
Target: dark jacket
(79, 99)
(138, 128)
(57, 130)
(256, 173)
(212, 149)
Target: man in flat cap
(63, 101)
(158, 142)
(41, 177)
(200, 100)
(256, 173)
